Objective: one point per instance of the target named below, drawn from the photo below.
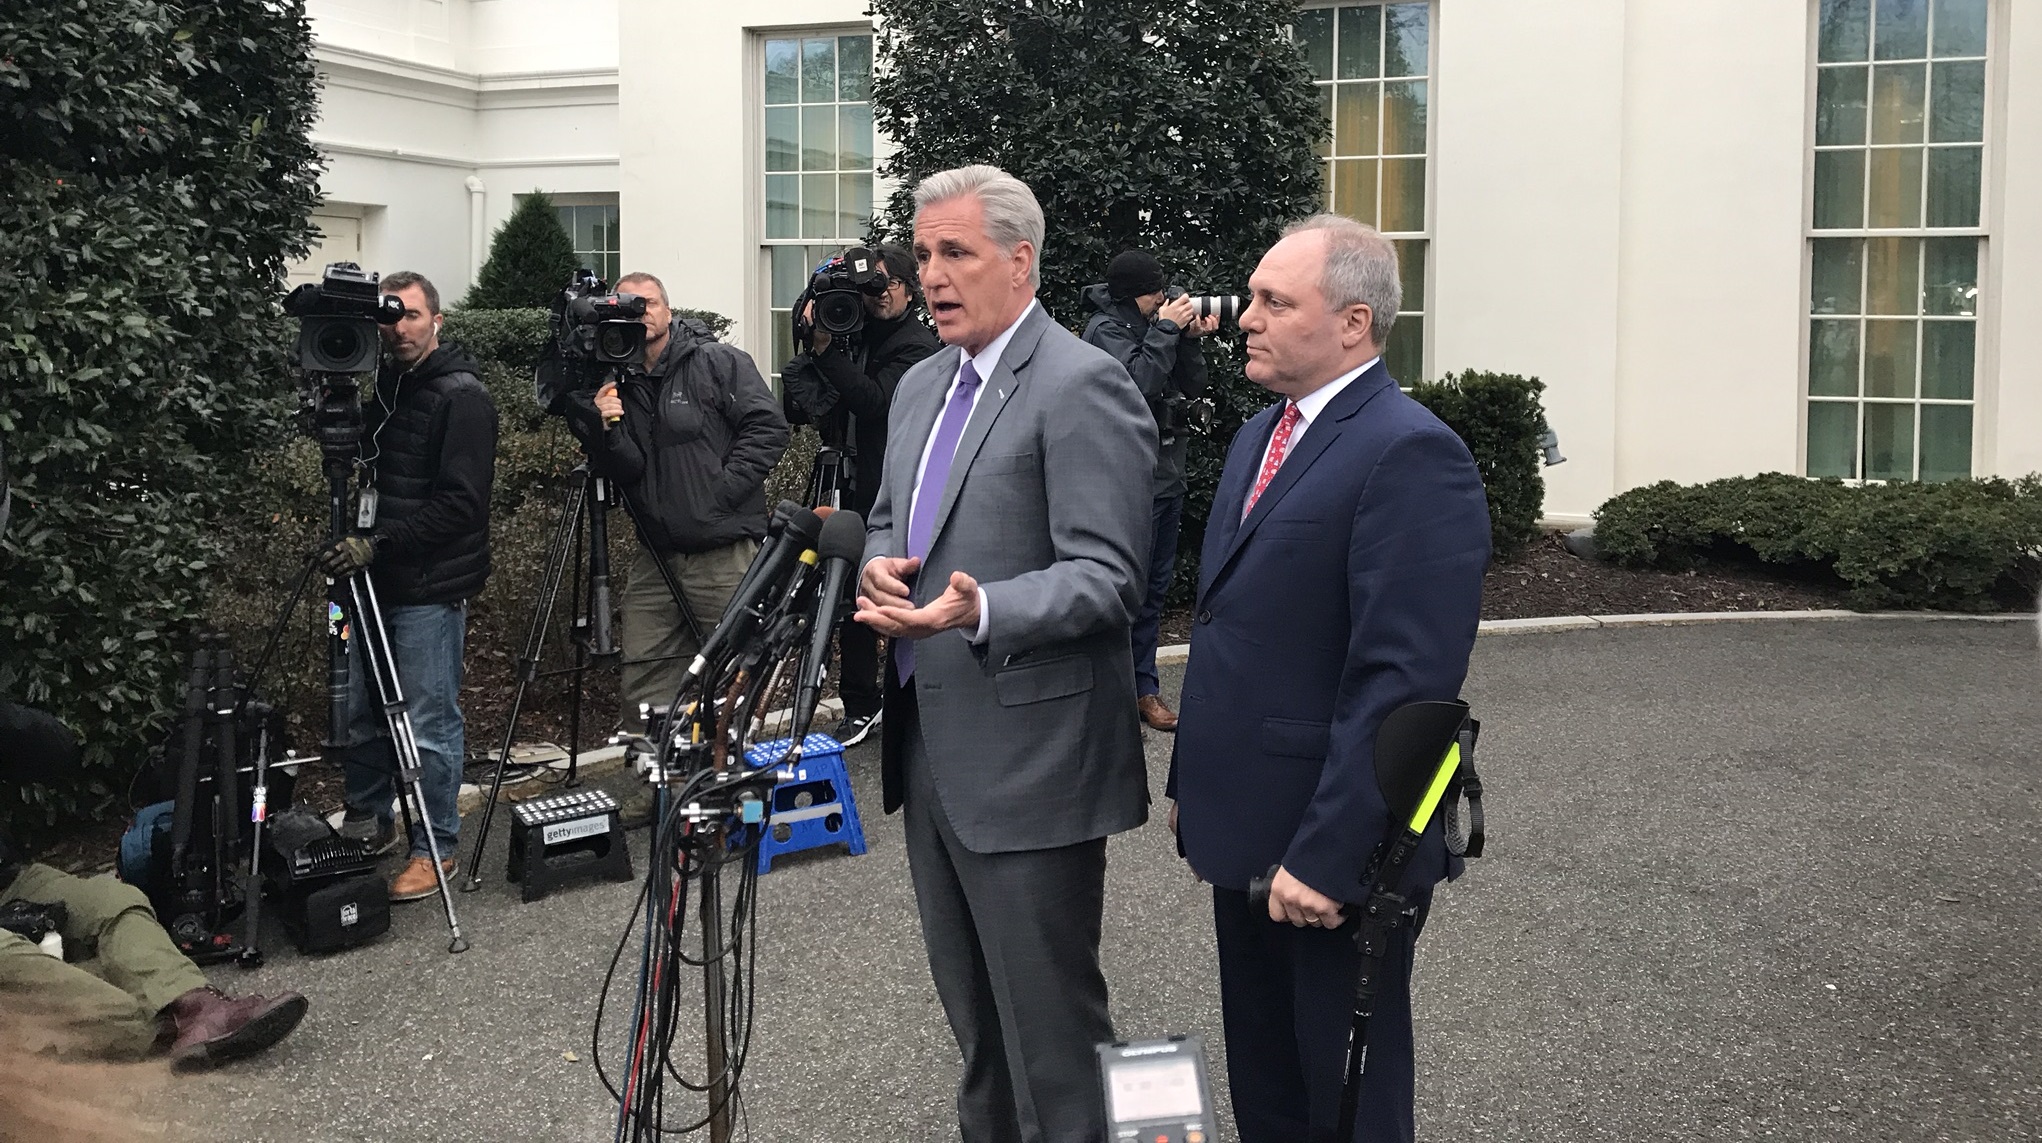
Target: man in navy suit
(1341, 578)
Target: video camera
(337, 319)
(838, 289)
(594, 330)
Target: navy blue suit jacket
(1353, 588)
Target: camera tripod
(588, 503)
(829, 477)
(354, 612)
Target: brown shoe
(1156, 714)
(416, 882)
(211, 1026)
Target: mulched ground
(1545, 580)
(1549, 580)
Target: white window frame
(594, 198)
(1428, 235)
(759, 263)
(1985, 341)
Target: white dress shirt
(1311, 405)
(983, 363)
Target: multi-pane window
(1896, 237)
(1372, 64)
(596, 235)
(818, 161)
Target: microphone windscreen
(805, 526)
(843, 537)
(824, 511)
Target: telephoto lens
(1227, 307)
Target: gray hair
(642, 276)
(1012, 214)
(1361, 268)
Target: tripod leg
(715, 1050)
(258, 813)
(557, 557)
(368, 620)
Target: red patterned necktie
(1279, 444)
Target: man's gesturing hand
(956, 607)
(1301, 905)
(885, 581)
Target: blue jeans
(1167, 514)
(426, 641)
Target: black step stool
(563, 836)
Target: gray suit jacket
(1032, 735)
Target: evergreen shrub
(1960, 545)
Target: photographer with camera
(429, 457)
(88, 953)
(1152, 330)
(843, 385)
(689, 433)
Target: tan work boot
(1156, 714)
(416, 882)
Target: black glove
(31, 919)
(346, 556)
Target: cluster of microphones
(797, 585)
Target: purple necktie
(929, 492)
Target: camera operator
(120, 984)
(429, 451)
(1151, 330)
(689, 435)
(844, 387)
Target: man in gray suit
(1007, 550)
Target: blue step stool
(813, 807)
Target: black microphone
(842, 545)
(762, 581)
(776, 530)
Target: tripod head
(332, 406)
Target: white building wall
(691, 156)
(1527, 184)
(2009, 441)
(1619, 193)
(1711, 296)
(423, 100)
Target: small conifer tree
(530, 258)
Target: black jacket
(847, 401)
(431, 450)
(700, 433)
(34, 747)
(1167, 367)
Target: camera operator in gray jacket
(1153, 332)
(689, 436)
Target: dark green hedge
(157, 181)
(1962, 545)
(1500, 418)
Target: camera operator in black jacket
(118, 985)
(844, 387)
(1154, 335)
(689, 437)
(429, 449)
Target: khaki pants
(653, 628)
(123, 969)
